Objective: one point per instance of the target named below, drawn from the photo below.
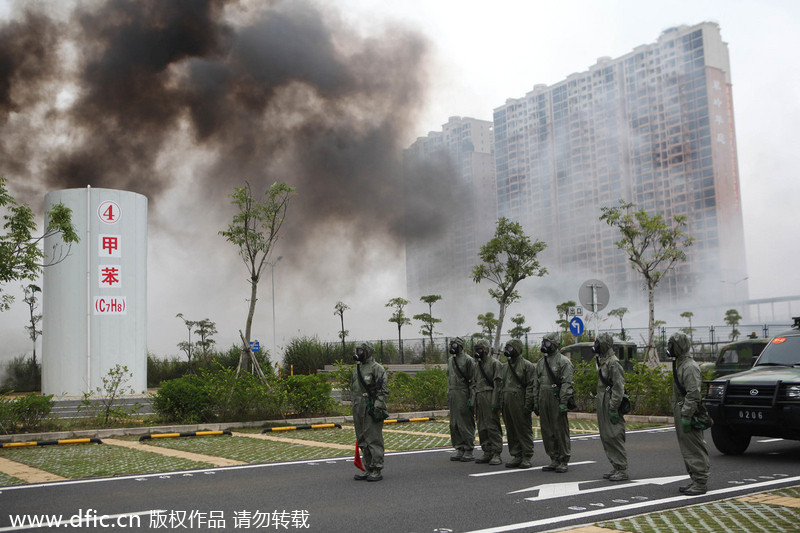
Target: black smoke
(110, 93)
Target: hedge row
(221, 395)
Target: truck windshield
(781, 351)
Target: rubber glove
(686, 424)
(614, 417)
(562, 408)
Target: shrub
(650, 389)
(307, 354)
(185, 399)
(401, 396)
(585, 383)
(426, 390)
(246, 396)
(309, 395)
(23, 375)
(429, 388)
(222, 395)
(342, 378)
(25, 413)
(106, 406)
(159, 370)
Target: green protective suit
(692, 444)
(554, 423)
(517, 405)
(608, 400)
(369, 427)
(488, 378)
(460, 394)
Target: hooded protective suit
(369, 411)
(488, 379)
(690, 440)
(551, 402)
(518, 383)
(610, 389)
(460, 392)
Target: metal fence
(706, 342)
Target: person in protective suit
(460, 395)
(553, 391)
(369, 396)
(686, 398)
(519, 376)
(488, 379)
(610, 390)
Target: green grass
(730, 516)
(247, 449)
(793, 492)
(6, 480)
(95, 460)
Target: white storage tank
(95, 299)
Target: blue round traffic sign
(576, 326)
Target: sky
(382, 74)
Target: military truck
(762, 401)
(736, 356)
(582, 352)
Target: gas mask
(548, 347)
(480, 352)
(596, 347)
(454, 348)
(509, 351)
(361, 355)
(671, 351)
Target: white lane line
(261, 465)
(630, 507)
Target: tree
(30, 299)
(20, 255)
(254, 231)
(205, 329)
(690, 330)
(732, 318)
(488, 325)
(508, 258)
(653, 248)
(619, 312)
(519, 330)
(399, 317)
(428, 320)
(187, 346)
(563, 314)
(340, 308)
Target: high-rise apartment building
(654, 127)
(457, 166)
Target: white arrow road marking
(591, 516)
(518, 470)
(557, 490)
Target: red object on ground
(357, 460)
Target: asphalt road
(421, 492)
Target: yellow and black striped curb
(184, 434)
(307, 426)
(405, 420)
(50, 442)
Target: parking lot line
(199, 457)
(26, 473)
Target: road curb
(220, 426)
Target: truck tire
(728, 441)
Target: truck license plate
(751, 414)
